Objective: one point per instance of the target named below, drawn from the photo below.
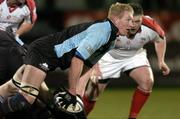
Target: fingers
(165, 70)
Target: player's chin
(125, 33)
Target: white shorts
(112, 68)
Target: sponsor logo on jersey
(90, 50)
(44, 66)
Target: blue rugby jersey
(90, 41)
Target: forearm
(81, 86)
(25, 27)
(160, 48)
(74, 73)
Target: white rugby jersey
(12, 17)
(126, 48)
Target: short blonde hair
(118, 8)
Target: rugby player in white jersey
(129, 57)
(16, 18)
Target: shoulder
(31, 4)
(152, 24)
(32, 7)
(103, 26)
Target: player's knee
(15, 103)
(29, 92)
(147, 84)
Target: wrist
(161, 61)
(72, 91)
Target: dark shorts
(10, 56)
(41, 54)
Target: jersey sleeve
(32, 7)
(152, 24)
(97, 35)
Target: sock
(139, 99)
(88, 104)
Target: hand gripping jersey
(126, 48)
(12, 17)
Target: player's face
(16, 2)
(137, 21)
(124, 23)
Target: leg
(11, 86)
(145, 83)
(44, 93)
(31, 80)
(93, 88)
(92, 92)
(107, 67)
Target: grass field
(164, 103)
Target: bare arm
(24, 27)
(160, 47)
(74, 73)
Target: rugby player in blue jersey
(75, 47)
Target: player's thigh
(33, 76)
(142, 75)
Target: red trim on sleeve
(32, 7)
(1, 1)
(151, 23)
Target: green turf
(164, 103)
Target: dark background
(54, 15)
